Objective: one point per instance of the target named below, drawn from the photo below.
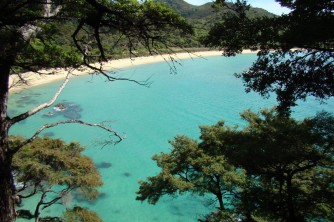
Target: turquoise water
(202, 92)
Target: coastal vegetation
(54, 172)
(295, 58)
(274, 169)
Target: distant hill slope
(205, 12)
(190, 11)
(203, 18)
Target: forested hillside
(206, 11)
(201, 17)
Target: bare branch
(42, 106)
(18, 82)
(46, 126)
(32, 193)
(44, 205)
(61, 194)
(114, 78)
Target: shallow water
(202, 92)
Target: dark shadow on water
(127, 174)
(49, 134)
(26, 100)
(102, 196)
(103, 165)
(176, 210)
(36, 94)
(116, 211)
(80, 198)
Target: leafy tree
(292, 164)
(274, 169)
(79, 214)
(31, 41)
(190, 168)
(51, 169)
(295, 58)
(200, 168)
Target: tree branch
(35, 110)
(46, 126)
(30, 194)
(56, 199)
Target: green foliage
(189, 168)
(203, 17)
(52, 169)
(207, 11)
(84, 31)
(109, 30)
(57, 163)
(274, 169)
(291, 163)
(78, 214)
(291, 74)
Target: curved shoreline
(47, 76)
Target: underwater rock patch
(116, 211)
(102, 196)
(103, 165)
(127, 174)
(60, 107)
(80, 198)
(49, 134)
(26, 100)
(66, 109)
(176, 210)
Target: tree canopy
(53, 170)
(31, 37)
(78, 214)
(295, 57)
(274, 169)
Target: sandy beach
(47, 76)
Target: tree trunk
(220, 201)
(7, 190)
(291, 217)
(218, 193)
(7, 187)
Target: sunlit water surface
(202, 92)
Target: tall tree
(274, 169)
(291, 162)
(296, 50)
(27, 44)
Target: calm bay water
(202, 92)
